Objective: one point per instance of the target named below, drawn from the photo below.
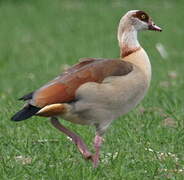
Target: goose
(96, 91)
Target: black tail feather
(27, 96)
(25, 113)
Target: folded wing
(63, 88)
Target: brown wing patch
(51, 93)
(63, 88)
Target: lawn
(38, 39)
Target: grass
(39, 37)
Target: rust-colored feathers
(63, 88)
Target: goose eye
(143, 17)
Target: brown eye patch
(142, 16)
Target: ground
(40, 38)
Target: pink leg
(76, 139)
(97, 144)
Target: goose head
(131, 23)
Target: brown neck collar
(126, 51)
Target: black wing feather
(25, 113)
(27, 97)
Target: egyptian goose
(96, 91)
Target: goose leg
(97, 144)
(75, 138)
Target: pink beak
(154, 27)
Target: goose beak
(154, 27)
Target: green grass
(39, 37)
